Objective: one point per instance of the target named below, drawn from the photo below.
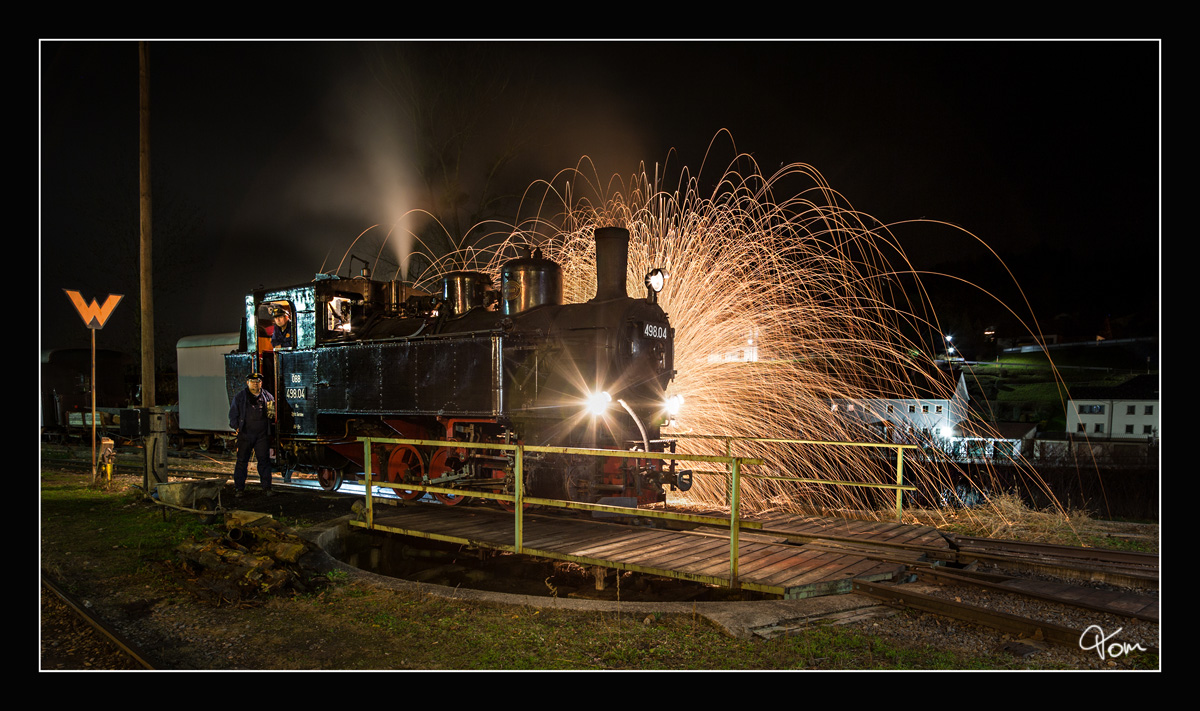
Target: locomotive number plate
(296, 394)
(656, 330)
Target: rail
(519, 500)
(89, 616)
(899, 486)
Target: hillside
(1035, 386)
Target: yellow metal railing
(518, 499)
(899, 486)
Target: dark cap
(254, 376)
(277, 312)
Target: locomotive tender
(471, 363)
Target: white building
(920, 412)
(742, 352)
(998, 442)
(1128, 411)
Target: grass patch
(118, 529)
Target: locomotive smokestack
(612, 262)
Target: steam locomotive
(471, 363)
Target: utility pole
(156, 437)
(144, 252)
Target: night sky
(270, 158)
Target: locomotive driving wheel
(446, 460)
(405, 465)
(329, 478)
(578, 484)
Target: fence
(734, 466)
(899, 486)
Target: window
(1147, 429)
(912, 408)
(1099, 428)
(1131, 410)
(890, 408)
(1149, 410)
(1081, 427)
(338, 314)
(1091, 409)
(1128, 429)
(939, 409)
(925, 409)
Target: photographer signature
(1101, 643)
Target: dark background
(270, 158)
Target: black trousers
(260, 445)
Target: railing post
(729, 481)
(899, 483)
(519, 469)
(733, 521)
(367, 476)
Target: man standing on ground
(250, 417)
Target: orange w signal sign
(93, 314)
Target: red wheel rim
(439, 465)
(405, 465)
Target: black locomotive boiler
(471, 363)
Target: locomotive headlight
(655, 280)
(673, 405)
(598, 402)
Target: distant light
(947, 431)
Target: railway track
(1123, 568)
(1032, 592)
(1068, 602)
(1029, 626)
(74, 637)
(1109, 597)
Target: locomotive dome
(528, 282)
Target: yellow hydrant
(107, 457)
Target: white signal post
(94, 316)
